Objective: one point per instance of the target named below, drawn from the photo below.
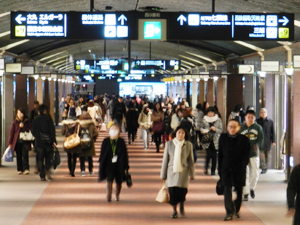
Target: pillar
(211, 92)
(178, 90)
(8, 113)
(31, 94)
(21, 92)
(295, 118)
(234, 92)
(170, 84)
(46, 99)
(182, 90)
(188, 96)
(250, 92)
(221, 100)
(39, 90)
(52, 99)
(194, 94)
(201, 91)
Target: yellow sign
(283, 32)
(20, 31)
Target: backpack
(86, 140)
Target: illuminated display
(158, 26)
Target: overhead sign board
(246, 69)
(13, 67)
(270, 66)
(296, 61)
(27, 70)
(133, 25)
(73, 25)
(2, 64)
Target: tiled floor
(82, 200)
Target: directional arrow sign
(284, 21)
(156, 30)
(122, 18)
(182, 19)
(20, 19)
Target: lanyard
(113, 145)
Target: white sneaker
(26, 172)
(20, 172)
(82, 173)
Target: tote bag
(158, 126)
(163, 195)
(72, 141)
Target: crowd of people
(237, 154)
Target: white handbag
(26, 136)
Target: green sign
(152, 30)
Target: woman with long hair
(157, 117)
(20, 124)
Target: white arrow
(284, 21)
(182, 19)
(19, 19)
(156, 30)
(122, 18)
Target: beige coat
(187, 161)
(145, 120)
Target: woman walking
(88, 133)
(145, 123)
(20, 124)
(113, 161)
(177, 165)
(157, 118)
(211, 123)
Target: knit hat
(72, 111)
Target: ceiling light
(253, 47)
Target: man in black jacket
(293, 190)
(119, 112)
(269, 138)
(234, 153)
(44, 132)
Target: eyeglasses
(232, 127)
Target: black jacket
(132, 119)
(293, 190)
(119, 111)
(269, 132)
(43, 124)
(234, 154)
(106, 157)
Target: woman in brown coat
(157, 117)
(88, 131)
(20, 124)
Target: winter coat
(70, 127)
(132, 117)
(180, 179)
(145, 120)
(158, 117)
(219, 129)
(293, 190)
(269, 132)
(198, 114)
(89, 124)
(106, 155)
(94, 113)
(168, 117)
(14, 133)
(43, 124)
(256, 137)
(234, 154)
(119, 111)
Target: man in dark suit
(234, 153)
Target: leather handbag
(207, 137)
(72, 141)
(26, 136)
(219, 188)
(128, 179)
(158, 126)
(55, 158)
(163, 195)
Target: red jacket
(14, 133)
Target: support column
(52, 99)
(234, 92)
(295, 138)
(31, 94)
(178, 91)
(210, 92)
(221, 100)
(8, 113)
(46, 99)
(182, 90)
(21, 92)
(188, 96)
(201, 91)
(194, 94)
(39, 90)
(250, 94)
(170, 94)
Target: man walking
(234, 151)
(254, 132)
(269, 138)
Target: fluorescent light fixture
(4, 14)
(216, 78)
(205, 79)
(4, 33)
(54, 79)
(50, 56)
(191, 59)
(14, 45)
(297, 23)
(1, 72)
(262, 73)
(49, 78)
(43, 78)
(201, 57)
(188, 63)
(253, 47)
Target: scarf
(211, 119)
(177, 167)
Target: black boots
(108, 190)
(118, 191)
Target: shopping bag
(219, 188)
(128, 179)
(8, 155)
(55, 158)
(103, 127)
(163, 195)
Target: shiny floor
(24, 199)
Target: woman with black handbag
(211, 129)
(157, 118)
(113, 161)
